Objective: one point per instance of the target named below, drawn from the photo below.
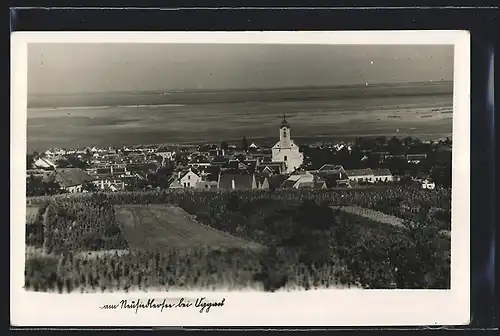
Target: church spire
(285, 123)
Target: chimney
(233, 184)
(179, 174)
(111, 169)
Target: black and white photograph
(261, 167)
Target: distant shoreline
(219, 96)
(281, 88)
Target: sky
(84, 68)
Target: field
(379, 217)
(159, 227)
(264, 240)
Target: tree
(30, 159)
(381, 140)
(89, 187)
(75, 162)
(36, 186)
(224, 146)
(161, 177)
(244, 144)
(62, 163)
(394, 144)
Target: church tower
(285, 139)
(285, 150)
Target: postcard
(240, 178)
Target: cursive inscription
(202, 304)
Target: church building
(286, 150)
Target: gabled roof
(276, 167)
(68, 177)
(331, 167)
(44, 162)
(359, 172)
(381, 172)
(241, 181)
(195, 172)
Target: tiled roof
(359, 172)
(103, 171)
(241, 181)
(68, 177)
(381, 172)
(331, 167)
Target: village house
(189, 179)
(44, 163)
(303, 179)
(55, 152)
(382, 175)
(360, 175)
(330, 170)
(237, 181)
(112, 177)
(166, 153)
(72, 179)
(199, 161)
(110, 184)
(234, 166)
(271, 168)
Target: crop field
(270, 240)
(159, 227)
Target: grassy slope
(156, 227)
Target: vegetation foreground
(265, 240)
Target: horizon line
(319, 87)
